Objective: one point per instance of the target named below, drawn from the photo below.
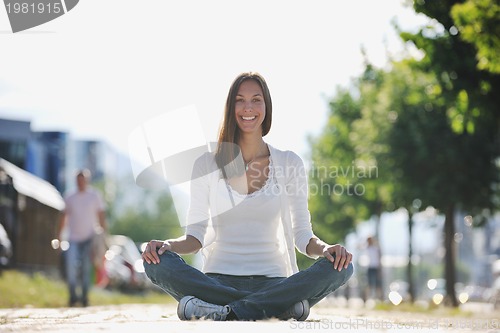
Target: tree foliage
(463, 174)
(354, 141)
(332, 211)
(431, 126)
(478, 22)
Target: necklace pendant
(246, 167)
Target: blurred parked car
(495, 297)
(495, 289)
(399, 292)
(436, 291)
(5, 248)
(123, 264)
(475, 293)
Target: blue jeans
(78, 265)
(249, 297)
(373, 277)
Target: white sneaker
(191, 307)
(299, 311)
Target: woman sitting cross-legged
(248, 213)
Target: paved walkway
(162, 318)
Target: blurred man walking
(83, 216)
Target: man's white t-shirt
(373, 254)
(82, 209)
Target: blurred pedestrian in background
(84, 219)
(374, 273)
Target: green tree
(349, 182)
(478, 22)
(433, 123)
(451, 148)
(355, 139)
(332, 213)
(383, 101)
(332, 153)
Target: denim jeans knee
(348, 272)
(168, 262)
(337, 278)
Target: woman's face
(250, 108)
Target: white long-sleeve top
(210, 201)
(246, 236)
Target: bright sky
(107, 66)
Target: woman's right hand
(154, 249)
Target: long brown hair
(229, 132)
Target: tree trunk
(380, 293)
(450, 248)
(409, 269)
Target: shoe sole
(182, 306)
(306, 310)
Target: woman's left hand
(338, 255)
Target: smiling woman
(250, 269)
